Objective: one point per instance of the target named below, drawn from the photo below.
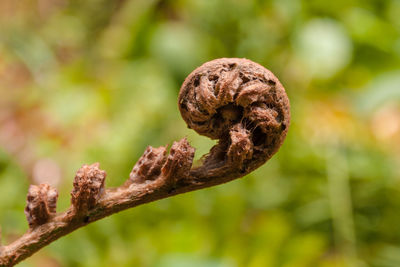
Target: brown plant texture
(236, 101)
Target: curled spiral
(236, 101)
(244, 106)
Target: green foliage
(87, 81)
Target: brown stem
(234, 100)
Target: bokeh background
(97, 80)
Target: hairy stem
(113, 201)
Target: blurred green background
(97, 80)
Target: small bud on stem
(41, 203)
(88, 187)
